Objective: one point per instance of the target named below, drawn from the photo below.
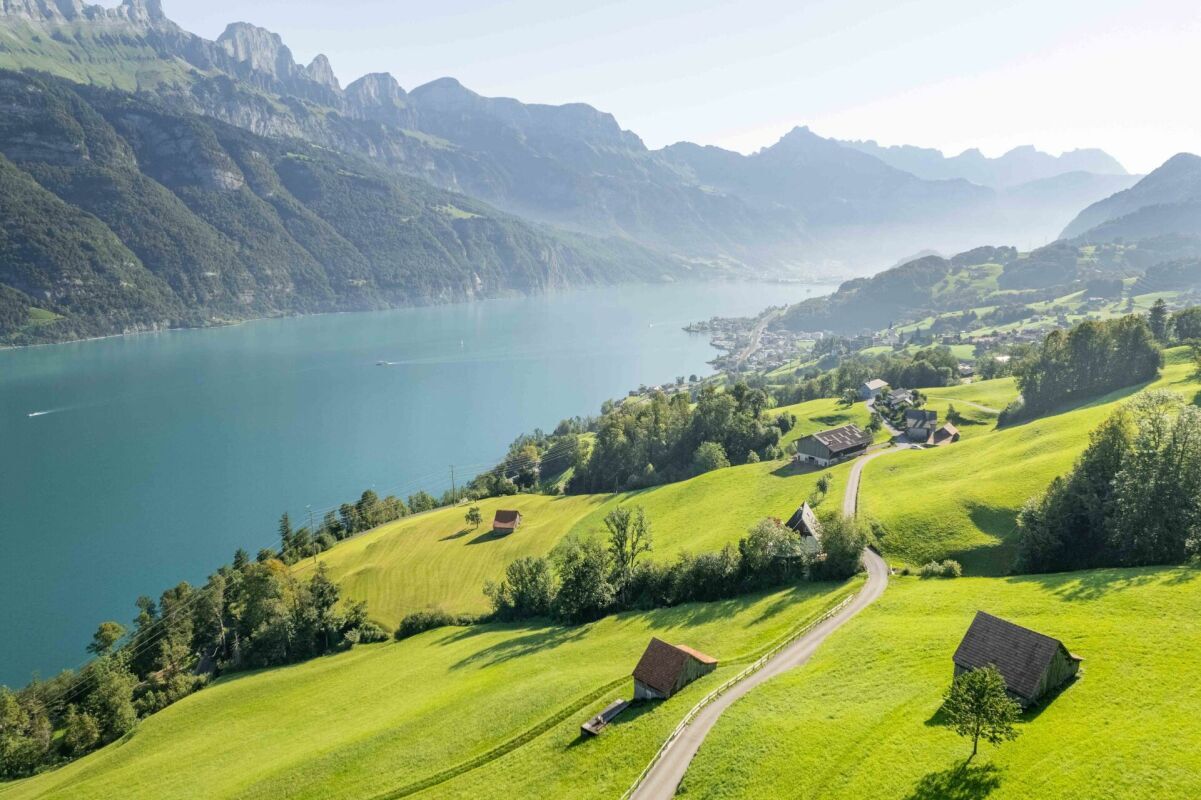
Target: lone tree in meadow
(629, 537)
(977, 705)
(473, 517)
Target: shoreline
(782, 281)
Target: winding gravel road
(663, 779)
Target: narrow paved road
(664, 778)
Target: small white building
(871, 389)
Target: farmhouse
(832, 446)
(945, 435)
(920, 424)
(872, 388)
(805, 523)
(506, 521)
(665, 669)
(897, 399)
(1031, 663)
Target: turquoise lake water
(129, 464)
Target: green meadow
(372, 721)
(435, 559)
(961, 501)
(861, 719)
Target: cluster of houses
(916, 424)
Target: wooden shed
(506, 520)
(665, 669)
(1031, 663)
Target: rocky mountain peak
(259, 48)
(376, 89)
(142, 13)
(322, 72)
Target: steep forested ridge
(120, 215)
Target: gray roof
(920, 416)
(876, 383)
(839, 440)
(1020, 654)
(804, 522)
(900, 394)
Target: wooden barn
(805, 523)
(1031, 663)
(832, 446)
(506, 520)
(665, 669)
(945, 435)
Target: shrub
(428, 619)
(947, 569)
(708, 457)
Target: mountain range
(567, 180)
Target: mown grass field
(382, 717)
(860, 720)
(961, 501)
(435, 559)
(823, 414)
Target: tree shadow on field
(459, 534)
(1095, 584)
(961, 782)
(524, 645)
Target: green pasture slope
(860, 720)
(370, 722)
(961, 501)
(434, 559)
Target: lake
(129, 464)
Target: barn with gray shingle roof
(830, 447)
(1031, 663)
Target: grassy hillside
(435, 560)
(860, 719)
(383, 717)
(962, 501)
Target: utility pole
(454, 495)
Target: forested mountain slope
(122, 216)
(806, 201)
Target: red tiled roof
(662, 663)
(506, 518)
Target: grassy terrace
(383, 717)
(435, 559)
(860, 719)
(962, 501)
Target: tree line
(1089, 360)
(249, 614)
(585, 579)
(1132, 499)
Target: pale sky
(939, 73)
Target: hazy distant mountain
(1019, 165)
(1166, 201)
(804, 201)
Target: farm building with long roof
(1031, 663)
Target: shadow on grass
(489, 536)
(1095, 584)
(519, 646)
(793, 468)
(960, 782)
(1035, 711)
(456, 535)
(633, 713)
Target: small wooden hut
(665, 669)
